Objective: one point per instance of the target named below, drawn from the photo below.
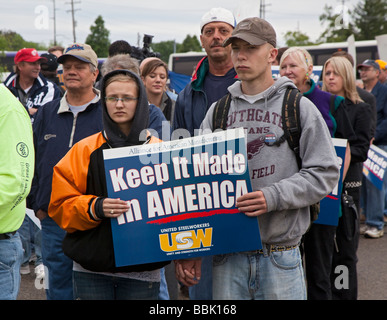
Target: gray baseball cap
(255, 31)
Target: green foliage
(296, 38)
(98, 39)
(366, 21)
(166, 48)
(12, 41)
(370, 19)
(337, 30)
(190, 44)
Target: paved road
(372, 273)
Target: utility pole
(73, 16)
(54, 18)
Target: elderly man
(213, 74)
(27, 84)
(58, 126)
(374, 199)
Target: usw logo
(186, 240)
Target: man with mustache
(213, 74)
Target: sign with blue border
(330, 206)
(375, 166)
(182, 197)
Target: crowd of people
(60, 110)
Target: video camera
(144, 52)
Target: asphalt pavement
(372, 273)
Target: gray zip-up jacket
(288, 190)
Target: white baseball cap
(218, 15)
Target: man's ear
(273, 52)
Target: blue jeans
(11, 256)
(374, 201)
(94, 286)
(31, 236)
(203, 290)
(257, 276)
(59, 266)
(164, 294)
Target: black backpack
(290, 125)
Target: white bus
(364, 50)
(185, 63)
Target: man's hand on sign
(252, 204)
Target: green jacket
(16, 161)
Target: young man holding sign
(282, 192)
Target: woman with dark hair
(154, 73)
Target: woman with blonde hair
(296, 63)
(339, 78)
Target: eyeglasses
(125, 100)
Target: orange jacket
(78, 180)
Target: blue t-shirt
(215, 87)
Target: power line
(262, 9)
(54, 18)
(73, 16)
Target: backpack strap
(291, 120)
(219, 120)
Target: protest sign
(330, 205)
(375, 166)
(182, 197)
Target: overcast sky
(165, 20)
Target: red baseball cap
(28, 55)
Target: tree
(98, 39)
(12, 41)
(296, 38)
(165, 48)
(190, 44)
(339, 27)
(369, 18)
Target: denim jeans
(94, 286)
(31, 236)
(203, 290)
(58, 265)
(374, 201)
(257, 276)
(11, 256)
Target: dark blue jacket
(56, 130)
(380, 93)
(192, 104)
(42, 91)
